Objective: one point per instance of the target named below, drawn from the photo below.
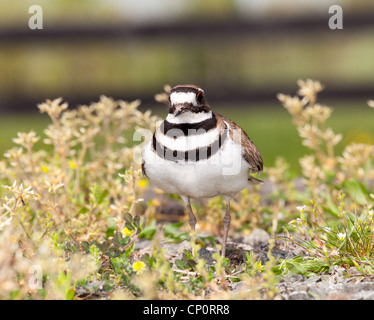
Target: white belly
(225, 173)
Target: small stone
(296, 278)
(299, 295)
(141, 244)
(256, 237)
(186, 245)
(207, 256)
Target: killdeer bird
(197, 153)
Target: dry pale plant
(81, 180)
(323, 163)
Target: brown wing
(250, 151)
(143, 170)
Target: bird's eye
(200, 97)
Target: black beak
(179, 111)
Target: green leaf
(149, 231)
(172, 227)
(13, 294)
(70, 294)
(129, 226)
(112, 228)
(331, 207)
(83, 210)
(113, 253)
(149, 259)
(226, 262)
(172, 231)
(102, 196)
(187, 254)
(128, 217)
(81, 198)
(86, 246)
(104, 246)
(95, 243)
(137, 222)
(125, 241)
(117, 238)
(181, 265)
(206, 240)
(192, 263)
(74, 247)
(357, 190)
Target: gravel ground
(327, 286)
(330, 286)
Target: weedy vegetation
(73, 209)
(335, 226)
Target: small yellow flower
(72, 164)
(45, 169)
(142, 183)
(127, 232)
(139, 266)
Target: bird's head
(187, 101)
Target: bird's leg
(226, 226)
(191, 216)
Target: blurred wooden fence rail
(199, 31)
(183, 29)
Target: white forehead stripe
(183, 97)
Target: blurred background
(241, 52)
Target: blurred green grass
(271, 129)
(10, 124)
(267, 125)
